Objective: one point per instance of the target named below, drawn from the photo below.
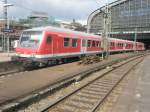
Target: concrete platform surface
(136, 95)
(6, 56)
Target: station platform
(21, 84)
(4, 56)
(136, 94)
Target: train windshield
(30, 39)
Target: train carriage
(48, 43)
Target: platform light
(6, 5)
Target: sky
(66, 10)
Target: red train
(45, 44)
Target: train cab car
(48, 43)
(29, 44)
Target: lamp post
(6, 26)
(106, 31)
(135, 39)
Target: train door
(124, 45)
(55, 44)
(83, 46)
(51, 45)
(48, 45)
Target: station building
(36, 19)
(129, 19)
(10, 37)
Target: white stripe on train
(62, 54)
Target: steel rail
(75, 91)
(101, 101)
(24, 101)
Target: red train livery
(49, 43)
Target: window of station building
(49, 40)
(89, 43)
(74, 42)
(66, 42)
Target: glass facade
(126, 16)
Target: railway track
(9, 68)
(36, 95)
(90, 96)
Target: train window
(49, 40)
(30, 39)
(74, 42)
(121, 44)
(97, 43)
(89, 43)
(93, 43)
(66, 42)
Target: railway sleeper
(66, 108)
(97, 89)
(88, 101)
(93, 93)
(77, 97)
(78, 105)
(95, 85)
(88, 96)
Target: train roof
(120, 39)
(62, 30)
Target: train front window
(30, 39)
